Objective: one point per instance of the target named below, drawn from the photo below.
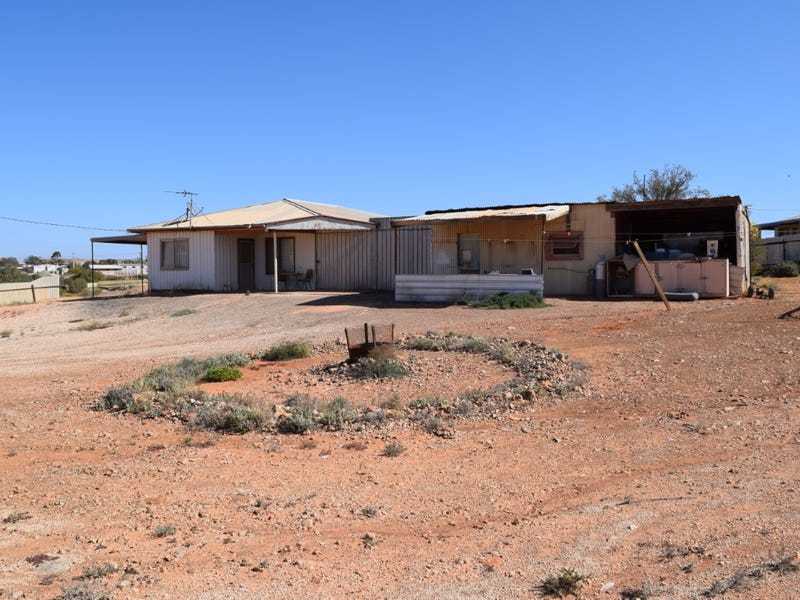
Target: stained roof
(548, 211)
(284, 214)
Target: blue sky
(392, 107)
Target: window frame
(174, 254)
(558, 241)
(270, 259)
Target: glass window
(175, 254)
(285, 255)
(564, 245)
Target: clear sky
(396, 107)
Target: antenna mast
(190, 209)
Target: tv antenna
(191, 211)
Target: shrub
(222, 373)
(786, 268)
(165, 530)
(287, 351)
(97, 571)
(506, 301)
(466, 344)
(380, 366)
(75, 285)
(568, 582)
(429, 344)
(123, 398)
(81, 592)
(230, 413)
(183, 312)
(302, 414)
(393, 448)
(337, 413)
(231, 359)
(505, 354)
(427, 402)
(164, 379)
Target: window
(564, 245)
(285, 255)
(175, 254)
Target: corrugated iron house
(286, 244)
(480, 251)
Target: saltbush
(286, 351)
(230, 413)
(302, 415)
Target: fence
(25, 292)
(779, 249)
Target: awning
(121, 239)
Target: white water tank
(600, 278)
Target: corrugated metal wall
(414, 250)
(346, 260)
(201, 274)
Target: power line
(62, 225)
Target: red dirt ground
(673, 473)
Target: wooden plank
(651, 274)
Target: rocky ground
(669, 472)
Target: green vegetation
(231, 413)
(567, 583)
(337, 413)
(290, 350)
(506, 301)
(302, 414)
(183, 312)
(787, 268)
(222, 373)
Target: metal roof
(549, 212)
(775, 224)
(280, 214)
(121, 239)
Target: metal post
(91, 268)
(275, 259)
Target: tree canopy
(672, 183)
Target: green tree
(673, 183)
(33, 260)
(758, 251)
(10, 273)
(56, 257)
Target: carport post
(275, 259)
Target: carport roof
(286, 214)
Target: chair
(304, 282)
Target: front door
(247, 264)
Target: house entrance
(247, 264)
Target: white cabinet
(709, 278)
